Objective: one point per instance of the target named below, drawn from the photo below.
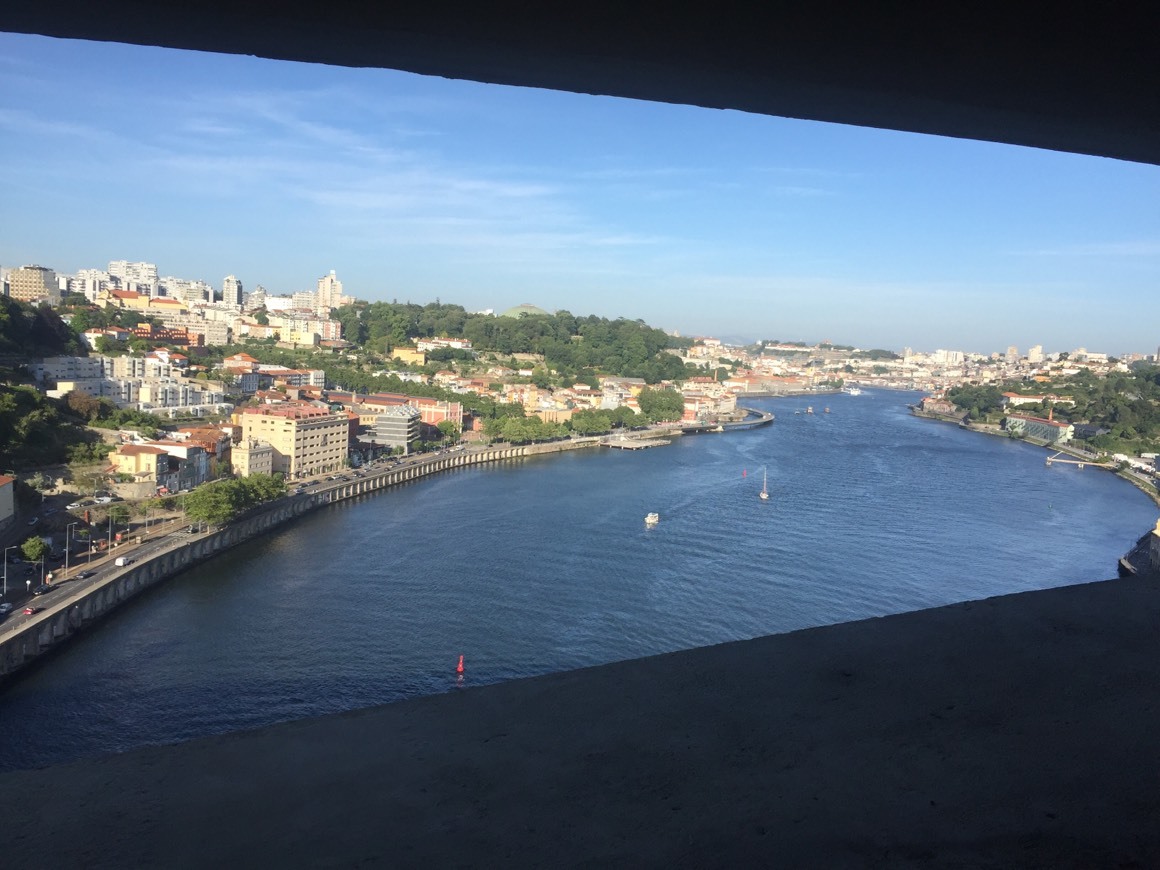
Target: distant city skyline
(706, 222)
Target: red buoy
(459, 667)
(743, 472)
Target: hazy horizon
(703, 221)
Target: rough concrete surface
(1013, 732)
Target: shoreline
(1139, 484)
(79, 607)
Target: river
(546, 564)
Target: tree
(449, 429)
(34, 549)
(211, 502)
(658, 405)
(83, 404)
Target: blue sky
(709, 222)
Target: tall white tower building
(329, 292)
(232, 291)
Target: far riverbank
(1140, 483)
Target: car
(43, 589)
(85, 575)
(28, 611)
(33, 521)
(6, 608)
(51, 511)
(75, 506)
(104, 499)
(31, 569)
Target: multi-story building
(143, 462)
(187, 291)
(213, 332)
(397, 426)
(1043, 429)
(71, 368)
(252, 457)
(426, 344)
(168, 466)
(329, 293)
(33, 284)
(232, 294)
(89, 283)
(1035, 354)
(140, 277)
(305, 439)
(255, 300)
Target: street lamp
(13, 547)
(67, 530)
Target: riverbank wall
(79, 607)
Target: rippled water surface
(546, 564)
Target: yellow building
(146, 464)
(30, 283)
(143, 302)
(409, 355)
(305, 439)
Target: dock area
(635, 443)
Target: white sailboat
(764, 486)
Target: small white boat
(652, 519)
(764, 495)
(852, 391)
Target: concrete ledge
(1013, 732)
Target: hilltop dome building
(528, 309)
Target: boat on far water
(764, 495)
(852, 391)
(651, 519)
(809, 409)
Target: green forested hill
(569, 344)
(35, 331)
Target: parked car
(75, 506)
(33, 521)
(6, 608)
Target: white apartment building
(232, 293)
(329, 292)
(89, 283)
(141, 277)
(71, 368)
